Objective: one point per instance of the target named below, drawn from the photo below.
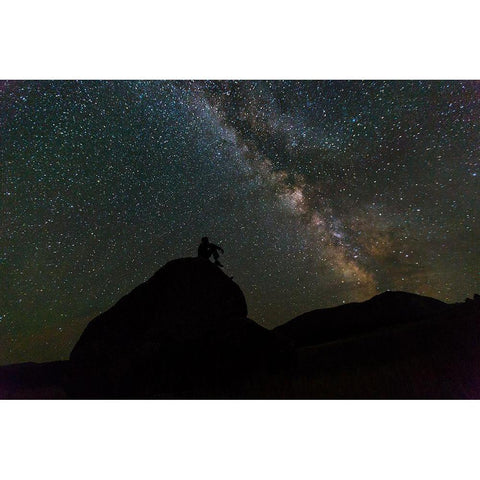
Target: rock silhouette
(33, 380)
(414, 347)
(384, 310)
(184, 332)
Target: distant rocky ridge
(382, 311)
(429, 357)
(476, 298)
(184, 333)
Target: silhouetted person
(207, 249)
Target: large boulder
(182, 333)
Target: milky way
(319, 192)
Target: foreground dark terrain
(185, 334)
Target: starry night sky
(320, 192)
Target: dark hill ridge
(353, 319)
(184, 330)
(184, 333)
(435, 357)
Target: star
(320, 192)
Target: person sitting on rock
(206, 249)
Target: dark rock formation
(384, 310)
(435, 356)
(182, 333)
(33, 380)
(476, 298)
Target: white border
(213, 39)
(239, 440)
(244, 40)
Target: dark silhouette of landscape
(185, 333)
